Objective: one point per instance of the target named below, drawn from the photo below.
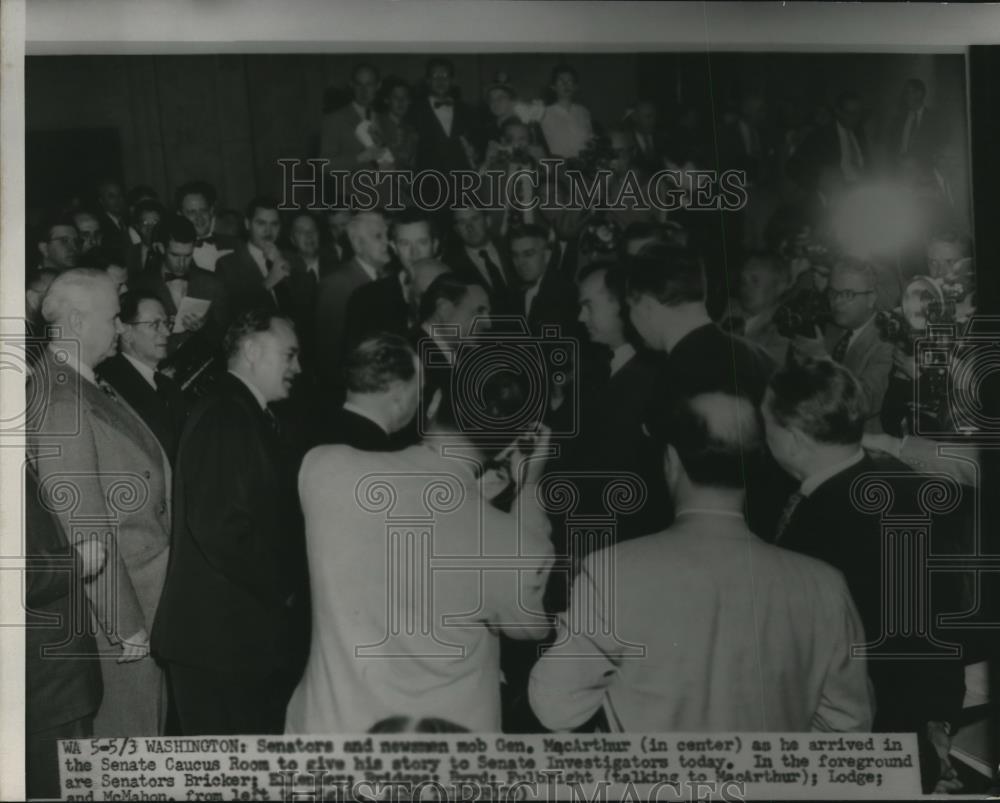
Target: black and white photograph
(500, 400)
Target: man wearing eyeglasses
(853, 339)
(58, 245)
(133, 373)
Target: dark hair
(916, 83)
(561, 69)
(777, 266)
(140, 192)
(672, 275)
(378, 361)
(410, 215)
(299, 213)
(365, 65)
(176, 228)
(260, 202)
(448, 286)
(101, 258)
(202, 188)
(250, 322)
(149, 205)
(404, 724)
(389, 85)
(45, 230)
(439, 61)
(129, 303)
(717, 436)
(526, 230)
(820, 397)
(616, 284)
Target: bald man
(90, 447)
(704, 626)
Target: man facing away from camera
(704, 626)
(228, 625)
(406, 619)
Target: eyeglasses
(66, 239)
(159, 325)
(846, 295)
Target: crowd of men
(320, 470)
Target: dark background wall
(162, 120)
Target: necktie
(786, 514)
(840, 348)
(496, 275)
(272, 421)
(162, 383)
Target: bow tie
(447, 102)
(199, 242)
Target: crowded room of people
(548, 462)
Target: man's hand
(905, 364)
(939, 735)
(280, 269)
(135, 648)
(813, 347)
(93, 556)
(192, 322)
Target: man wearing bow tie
(196, 201)
(173, 277)
(444, 125)
(90, 446)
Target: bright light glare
(876, 220)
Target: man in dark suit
(650, 145)
(379, 405)
(227, 624)
(916, 133)
(840, 144)
(341, 143)
(133, 373)
(445, 126)
(256, 273)
(546, 298)
(63, 686)
(666, 292)
(853, 338)
(172, 277)
(309, 266)
(114, 217)
(196, 201)
(388, 304)
(479, 256)
(815, 414)
(142, 255)
(368, 234)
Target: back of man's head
(717, 437)
(820, 398)
(174, 228)
(671, 275)
(74, 289)
(446, 287)
(377, 363)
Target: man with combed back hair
(704, 626)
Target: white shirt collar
(372, 273)
(258, 256)
(83, 370)
(147, 373)
(351, 407)
(812, 482)
(620, 356)
(253, 389)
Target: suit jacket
(298, 296)
(335, 293)
(115, 236)
(437, 150)
(649, 160)
(554, 305)
(93, 450)
(338, 142)
(244, 283)
(163, 411)
(681, 636)
(869, 358)
(503, 300)
(62, 682)
(822, 149)
(237, 559)
(377, 306)
(201, 284)
(926, 139)
(135, 263)
(829, 526)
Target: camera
(501, 380)
(801, 313)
